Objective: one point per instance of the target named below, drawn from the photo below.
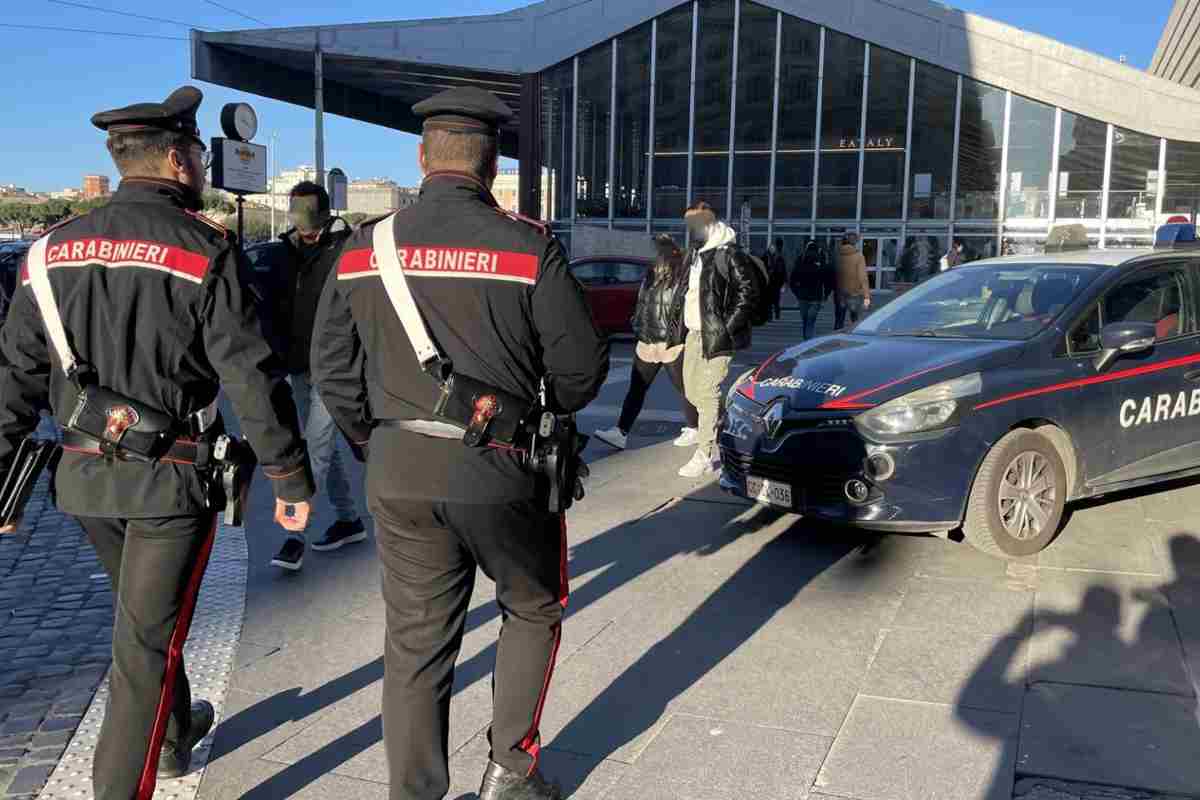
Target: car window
(595, 273)
(1003, 301)
(1156, 298)
(630, 273)
(1085, 336)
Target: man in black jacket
(494, 293)
(718, 312)
(289, 280)
(151, 300)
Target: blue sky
(54, 81)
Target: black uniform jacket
(151, 297)
(499, 301)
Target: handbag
(485, 413)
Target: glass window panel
(672, 87)
(1030, 156)
(1133, 186)
(980, 144)
(935, 94)
(751, 182)
(799, 60)
(558, 102)
(1183, 179)
(887, 100)
(883, 185)
(922, 255)
(710, 178)
(633, 122)
(793, 186)
(841, 102)
(837, 196)
(1080, 167)
(714, 75)
(756, 77)
(595, 117)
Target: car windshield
(1001, 301)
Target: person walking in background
(853, 286)
(722, 296)
(953, 257)
(777, 271)
(658, 324)
(288, 292)
(809, 282)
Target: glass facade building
(792, 129)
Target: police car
(982, 401)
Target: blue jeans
(809, 309)
(322, 434)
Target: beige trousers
(702, 379)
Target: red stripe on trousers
(531, 743)
(183, 622)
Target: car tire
(1017, 500)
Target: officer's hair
(144, 151)
(460, 151)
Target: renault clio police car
(985, 399)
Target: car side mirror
(1124, 338)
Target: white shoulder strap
(39, 282)
(384, 243)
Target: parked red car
(612, 284)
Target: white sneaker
(686, 438)
(612, 437)
(700, 465)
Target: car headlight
(733, 388)
(923, 410)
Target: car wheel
(1016, 503)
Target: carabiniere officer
(500, 304)
(150, 299)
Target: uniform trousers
(428, 554)
(155, 566)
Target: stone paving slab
(898, 750)
(581, 777)
(1121, 738)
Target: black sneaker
(504, 784)
(291, 555)
(175, 758)
(340, 533)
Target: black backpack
(762, 280)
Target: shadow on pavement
(1109, 662)
(731, 615)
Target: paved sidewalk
(715, 650)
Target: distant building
(12, 188)
(378, 196)
(95, 186)
(66, 194)
(507, 188)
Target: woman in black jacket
(658, 323)
(810, 283)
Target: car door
(594, 275)
(624, 295)
(1155, 414)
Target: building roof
(376, 71)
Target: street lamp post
(273, 169)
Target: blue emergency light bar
(1175, 236)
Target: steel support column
(319, 110)
(529, 146)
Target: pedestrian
(154, 321)
(658, 325)
(444, 322)
(778, 274)
(809, 282)
(289, 290)
(719, 309)
(853, 286)
(953, 256)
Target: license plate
(773, 493)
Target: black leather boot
(176, 758)
(502, 784)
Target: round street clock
(239, 121)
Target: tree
(17, 215)
(215, 203)
(354, 219)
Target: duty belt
(188, 452)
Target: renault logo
(772, 419)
